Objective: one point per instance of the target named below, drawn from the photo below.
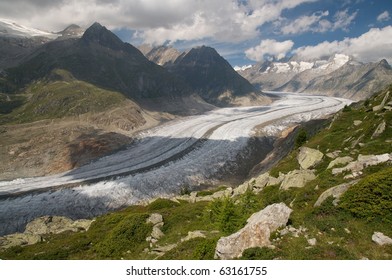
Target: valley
(191, 151)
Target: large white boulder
(297, 179)
(381, 239)
(256, 233)
(308, 157)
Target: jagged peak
(384, 63)
(100, 34)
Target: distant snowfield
(189, 151)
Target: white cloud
(155, 21)
(384, 16)
(304, 23)
(373, 45)
(317, 22)
(269, 48)
(342, 20)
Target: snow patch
(12, 29)
(242, 68)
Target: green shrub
(257, 253)
(162, 203)
(347, 108)
(194, 249)
(301, 138)
(230, 215)
(128, 235)
(205, 250)
(371, 198)
(225, 214)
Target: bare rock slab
(381, 239)
(340, 161)
(297, 179)
(336, 192)
(56, 225)
(308, 158)
(256, 233)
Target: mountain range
(339, 75)
(99, 89)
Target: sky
(242, 31)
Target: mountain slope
(339, 76)
(352, 81)
(214, 79)
(100, 58)
(161, 55)
(340, 227)
(17, 41)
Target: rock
(259, 183)
(297, 179)
(380, 129)
(256, 233)
(155, 218)
(381, 106)
(312, 241)
(381, 239)
(308, 158)
(336, 192)
(225, 193)
(157, 233)
(362, 162)
(56, 225)
(19, 239)
(356, 142)
(41, 226)
(334, 154)
(241, 189)
(194, 234)
(357, 122)
(163, 249)
(340, 161)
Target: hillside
(68, 101)
(208, 74)
(336, 184)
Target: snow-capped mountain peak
(9, 28)
(335, 62)
(242, 68)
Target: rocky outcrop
(297, 179)
(357, 122)
(56, 225)
(256, 233)
(336, 192)
(380, 129)
(381, 239)
(334, 154)
(308, 158)
(156, 220)
(36, 229)
(193, 235)
(382, 104)
(258, 183)
(362, 162)
(340, 161)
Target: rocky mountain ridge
(208, 73)
(340, 76)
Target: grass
(51, 99)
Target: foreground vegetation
(342, 232)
